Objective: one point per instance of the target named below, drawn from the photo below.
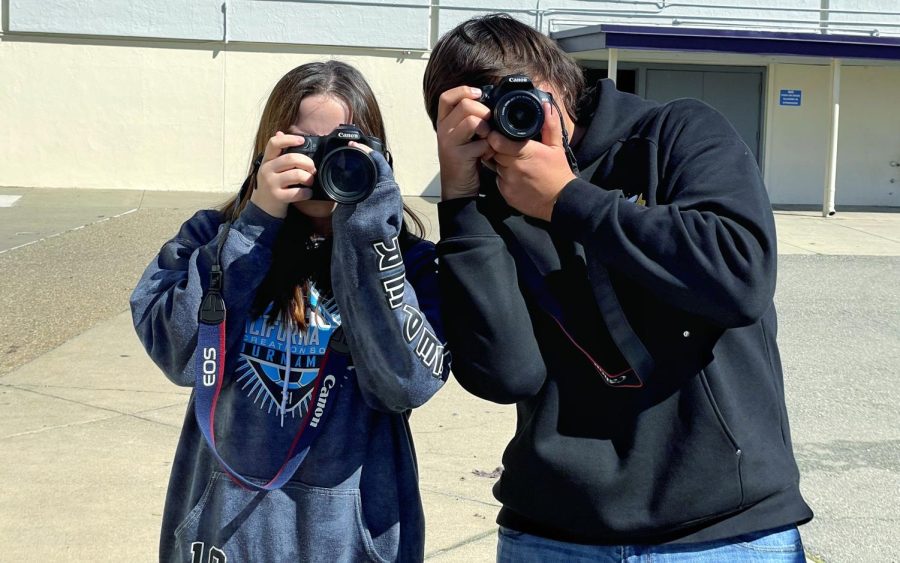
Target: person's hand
(460, 119)
(280, 176)
(356, 225)
(531, 174)
(385, 184)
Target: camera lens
(348, 175)
(519, 116)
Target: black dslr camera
(344, 174)
(516, 107)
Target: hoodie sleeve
(166, 301)
(388, 301)
(488, 323)
(708, 244)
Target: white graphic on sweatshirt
(278, 377)
(216, 555)
(429, 349)
(389, 256)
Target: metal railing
(755, 17)
(663, 11)
(549, 18)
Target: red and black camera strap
(331, 378)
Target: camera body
(516, 107)
(344, 174)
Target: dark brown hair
(483, 50)
(292, 262)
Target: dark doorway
(737, 92)
(626, 79)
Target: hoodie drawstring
(287, 367)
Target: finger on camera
(470, 107)
(292, 160)
(505, 160)
(295, 177)
(278, 143)
(483, 129)
(470, 128)
(471, 152)
(462, 112)
(450, 99)
(503, 145)
(476, 150)
(302, 194)
(365, 148)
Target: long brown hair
(484, 49)
(293, 263)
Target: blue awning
(605, 36)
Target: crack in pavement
(32, 386)
(460, 497)
(98, 407)
(460, 544)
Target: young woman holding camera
(308, 329)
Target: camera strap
(257, 162)
(570, 154)
(332, 376)
(537, 288)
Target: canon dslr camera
(344, 174)
(516, 107)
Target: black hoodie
(659, 264)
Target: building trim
(606, 36)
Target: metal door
(736, 94)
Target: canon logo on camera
(348, 135)
(518, 79)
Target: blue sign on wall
(791, 97)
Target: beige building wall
(869, 138)
(166, 115)
(170, 115)
(797, 137)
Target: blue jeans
(782, 546)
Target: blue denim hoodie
(355, 497)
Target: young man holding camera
(612, 275)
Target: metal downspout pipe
(613, 64)
(831, 170)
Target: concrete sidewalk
(88, 425)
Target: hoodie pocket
(295, 523)
(726, 430)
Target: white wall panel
(798, 150)
(869, 137)
(357, 24)
(110, 116)
(172, 19)
(133, 115)
(555, 15)
(406, 24)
